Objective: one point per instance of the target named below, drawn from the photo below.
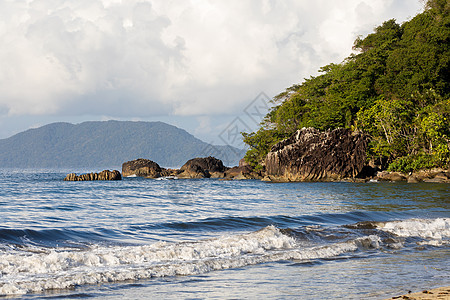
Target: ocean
(205, 238)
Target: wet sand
(442, 293)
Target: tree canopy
(395, 88)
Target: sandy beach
(437, 293)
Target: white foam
(25, 272)
(424, 228)
(167, 178)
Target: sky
(201, 65)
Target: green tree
(396, 89)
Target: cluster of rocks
(308, 155)
(205, 167)
(433, 175)
(103, 175)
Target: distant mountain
(107, 144)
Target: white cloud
(144, 58)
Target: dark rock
(367, 172)
(170, 172)
(71, 177)
(142, 168)
(311, 155)
(103, 175)
(242, 172)
(202, 168)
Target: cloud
(144, 58)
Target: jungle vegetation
(395, 88)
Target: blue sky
(195, 64)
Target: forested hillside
(395, 88)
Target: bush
(412, 163)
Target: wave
(422, 228)
(53, 237)
(254, 222)
(52, 269)
(35, 269)
(429, 229)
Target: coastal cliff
(311, 155)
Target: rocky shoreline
(308, 155)
(434, 176)
(210, 167)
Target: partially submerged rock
(103, 175)
(204, 167)
(142, 168)
(391, 176)
(311, 155)
(244, 171)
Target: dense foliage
(395, 88)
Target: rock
(107, 175)
(412, 179)
(205, 167)
(142, 168)
(311, 155)
(218, 175)
(242, 172)
(391, 176)
(266, 178)
(71, 177)
(436, 180)
(169, 172)
(433, 175)
(243, 163)
(103, 175)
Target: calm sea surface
(171, 239)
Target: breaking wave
(34, 269)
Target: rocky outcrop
(204, 167)
(391, 176)
(244, 171)
(142, 168)
(170, 172)
(311, 155)
(103, 175)
(433, 176)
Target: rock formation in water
(204, 167)
(311, 155)
(142, 168)
(243, 171)
(103, 175)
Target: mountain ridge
(107, 143)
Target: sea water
(205, 238)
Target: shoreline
(441, 293)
